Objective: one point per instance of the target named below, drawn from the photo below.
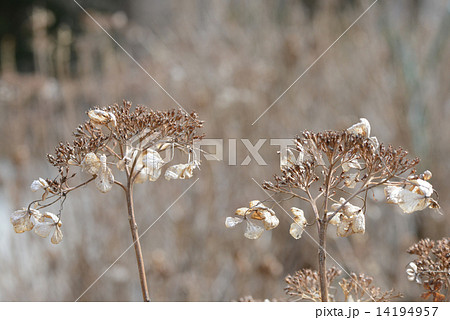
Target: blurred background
(228, 60)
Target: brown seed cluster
(305, 285)
(431, 269)
(359, 288)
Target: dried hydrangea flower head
(305, 285)
(333, 171)
(431, 268)
(114, 138)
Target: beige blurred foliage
(228, 61)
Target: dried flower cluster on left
(114, 138)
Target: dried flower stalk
(115, 138)
(331, 171)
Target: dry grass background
(228, 60)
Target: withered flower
(116, 136)
(333, 171)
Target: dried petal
(270, 221)
(181, 171)
(253, 231)
(105, 178)
(350, 164)
(411, 271)
(392, 194)
(415, 198)
(20, 219)
(351, 180)
(39, 184)
(361, 128)
(296, 230)
(91, 163)
(100, 117)
(57, 235)
(242, 211)
(344, 228)
(142, 175)
(336, 219)
(43, 229)
(231, 222)
(427, 175)
(359, 223)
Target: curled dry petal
(270, 221)
(361, 128)
(336, 218)
(39, 184)
(299, 223)
(242, 211)
(427, 175)
(100, 117)
(181, 171)
(411, 271)
(414, 197)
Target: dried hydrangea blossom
(414, 194)
(114, 138)
(333, 171)
(181, 171)
(47, 223)
(299, 223)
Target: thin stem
(322, 228)
(137, 244)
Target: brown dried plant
(360, 288)
(329, 170)
(114, 136)
(305, 285)
(432, 268)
